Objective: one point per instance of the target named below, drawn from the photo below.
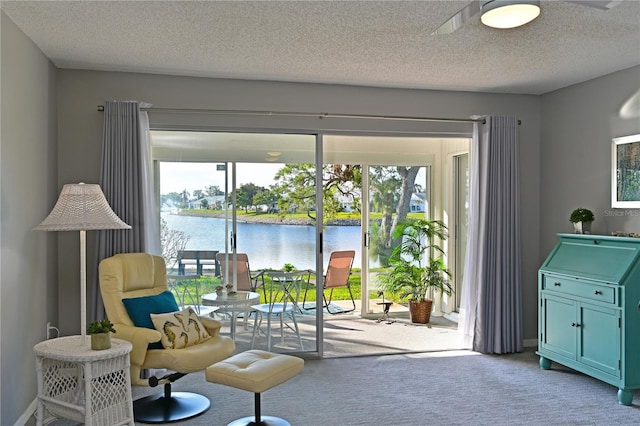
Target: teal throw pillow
(141, 308)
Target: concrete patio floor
(348, 334)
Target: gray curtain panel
(474, 256)
(492, 282)
(122, 180)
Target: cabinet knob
(598, 292)
(556, 284)
(575, 324)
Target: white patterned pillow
(180, 329)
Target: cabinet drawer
(583, 289)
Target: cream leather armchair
(134, 275)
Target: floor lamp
(81, 207)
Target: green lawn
(207, 284)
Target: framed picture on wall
(625, 172)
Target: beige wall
(28, 185)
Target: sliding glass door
(392, 181)
(259, 200)
(253, 198)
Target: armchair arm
(136, 335)
(212, 326)
(139, 337)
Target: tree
(245, 194)
(266, 197)
(296, 185)
(174, 197)
(172, 242)
(213, 190)
(197, 194)
(392, 189)
(185, 198)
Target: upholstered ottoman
(255, 371)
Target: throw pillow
(141, 308)
(180, 329)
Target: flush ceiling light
(509, 13)
(274, 153)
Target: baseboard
(530, 343)
(28, 413)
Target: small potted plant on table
(100, 332)
(581, 219)
(417, 266)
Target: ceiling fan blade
(598, 4)
(457, 20)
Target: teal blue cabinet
(589, 309)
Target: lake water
(268, 245)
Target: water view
(267, 245)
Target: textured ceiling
(386, 44)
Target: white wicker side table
(80, 384)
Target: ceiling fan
(507, 13)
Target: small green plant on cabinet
(97, 327)
(581, 215)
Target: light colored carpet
(441, 387)
(437, 388)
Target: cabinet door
(599, 338)
(558, 332)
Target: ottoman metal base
(266, 421)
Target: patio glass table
(240, 301)
(291, 282)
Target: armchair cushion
(141, 308)
(180, 329)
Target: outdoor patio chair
(280, 305)
(338, 272)
(246, 280)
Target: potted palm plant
(417, 266)
(100, 334)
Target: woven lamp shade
(81, 207)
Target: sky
(176, 177)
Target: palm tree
(185, 197)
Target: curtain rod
(320, 115)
